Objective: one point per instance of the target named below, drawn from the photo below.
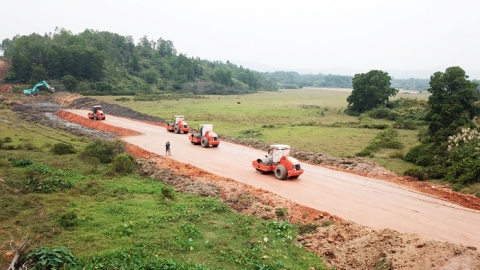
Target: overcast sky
(308, 36)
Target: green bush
(48, 185)
(63, 149)
(464, 172)
(396, 154)
(364, 153)
(168, 192)
(20, 162)
(418, 173)
(405, 124)
(281, 212)
(52, 258)
(308, 228)
(379, 113)
(105, 151)
(123, 163)
(416, 152)
(380, 126)
(69, 220)
(436, 171)
(392, 144)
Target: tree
(69, 82)
(150, 76)
(370, 90)
(39, 73)
(223, 76)
(453, 103)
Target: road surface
(366, 201)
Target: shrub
(415, 152)
(364, 153)
(48, 185)
(168, 192)
(418, 173)
(123, 163)
(396, 154)
(393, 144)
(307, 228)
(281, 212)
(380, 126)
(464, 172)
(52, 258)
(69, 220)
(63, 149)
(20, 162)
(105, 151)
(436, 171)
(379, 113)
(405, 124)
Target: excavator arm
(34, 90)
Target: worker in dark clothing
(167, 149)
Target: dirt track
(389, 208)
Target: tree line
(295, 80)
(104, 63)
(450, 144)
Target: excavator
(34, 90)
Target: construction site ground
(344, 244)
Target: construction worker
(167, 149)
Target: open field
(307, 119)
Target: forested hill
(104, 63)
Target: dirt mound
(347, 245)
(4, 66)
(5, 88)
(87, 103)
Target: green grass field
(307, 119)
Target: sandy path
(370, 202)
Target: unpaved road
(370, 202)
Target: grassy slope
(308, 119)
(115, 213)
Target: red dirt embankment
(4, 88)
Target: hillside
(104, 63)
